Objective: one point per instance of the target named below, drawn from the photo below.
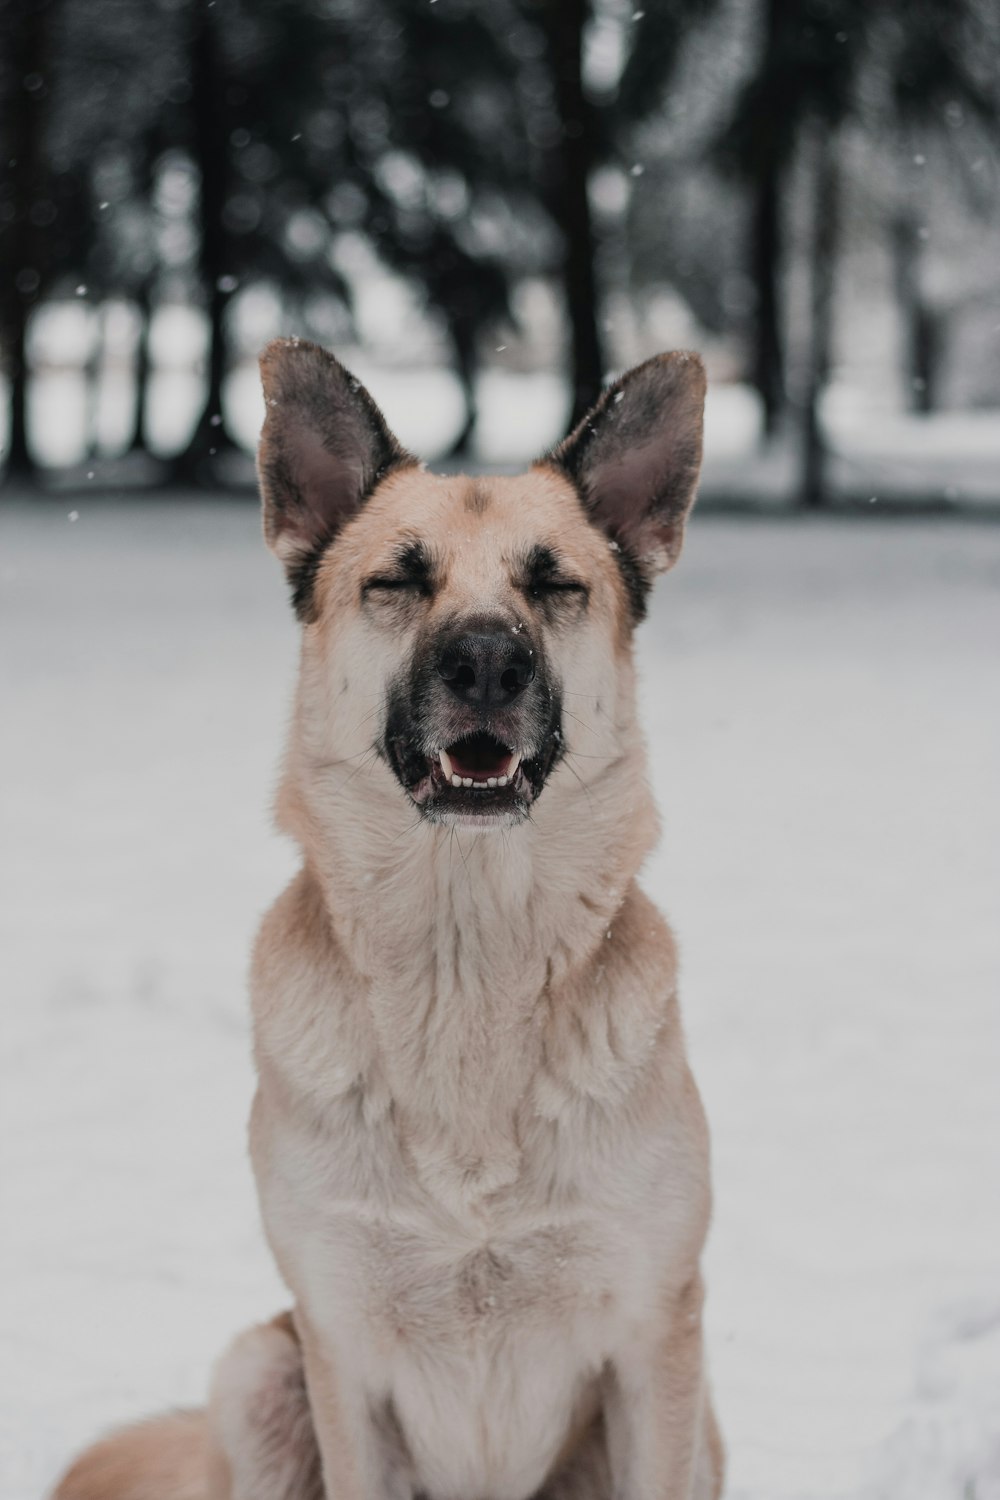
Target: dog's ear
(635, 458)
(323, 448)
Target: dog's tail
(256, 1436)
(164, 1458)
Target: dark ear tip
(281, 348)
(279, 353)
(686, 367)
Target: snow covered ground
(824, 719)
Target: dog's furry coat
(481, 1157)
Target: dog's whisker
(461, 851)
(343, 760)
(369, 715)
(582, 722)
(584, 755)
(408, 829)
(366, 764)
(573, 772)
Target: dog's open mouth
(477, 778)
(477, 763)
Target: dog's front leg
(282, 1429)
(356, 1455)
(656, 1409)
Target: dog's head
(457, 629)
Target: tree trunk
(194, 466)
(20, 462)
(922, 329)
(464, 344)
(768, 368)
(92, 372)
(767, 237)
(139, 441)
(20, 271)
(151, 145)
(572, 165)
(211, 147)
(825, 235)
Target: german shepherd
(481, 1157)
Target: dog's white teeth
(452, 777)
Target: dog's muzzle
(474, 734)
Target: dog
(481, 1157)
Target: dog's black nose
(486, 669)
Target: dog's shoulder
(311, 1027)
(614, 1016)
(615, 1080)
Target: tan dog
(481, 1158)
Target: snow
(824, 721)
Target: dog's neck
(459, 938)
(489, 910)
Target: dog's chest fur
(483, 1330)
(450, 1182)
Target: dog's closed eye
(544, 579)
(408, 572)
(545, 587)
(395, 585)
